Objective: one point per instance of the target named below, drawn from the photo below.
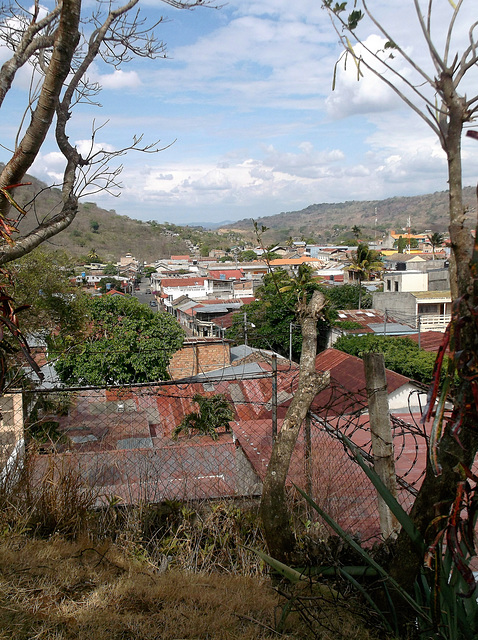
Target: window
(396, 285)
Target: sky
(245, 111)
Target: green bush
(401, 354)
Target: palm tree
(214, 412)
(436, 240)
(356, 231)
(364, 262)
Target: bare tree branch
(60, 57)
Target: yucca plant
(444, 600)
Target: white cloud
(88, 148)
(364, 93)
(119, 80)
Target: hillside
(109, 234)
(331, 222)
(112, 235)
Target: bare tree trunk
(66, 40)
(460, 236)
(438, 492)
(274, 512)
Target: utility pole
(245, 328)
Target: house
(427, 310)
(328, 253)
(419, 280)
(349, 386)
(199, 355)
(398, 281)
(292, 264)
(204, 320)
(412, 261)
(423, 243)
(196, 287)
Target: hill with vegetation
(109, 234)
(333, 222)
(112, 235)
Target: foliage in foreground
(401, 354)
(72, 591)
(160, 571)
(443, 605)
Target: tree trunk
(460, 237)
(274, 512)
(66, 40)
(438, 492)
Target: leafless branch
(60, 56)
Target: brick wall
(198, 356)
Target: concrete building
(425, 310)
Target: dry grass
(174, 571)
(64, 591)
(60, 590)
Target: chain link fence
(121, 442)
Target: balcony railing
(432, 322)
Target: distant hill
(333, 222)
(109, 234)
(112, 235)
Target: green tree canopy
(269, 319)
(436, 240)
(125, 343)
(365, 262)
(401, 354)
(148, 271)
(114, 284)
(110, 269)
(347, 296)
(42, 281)
(249, 255)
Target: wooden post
(274, 396)
(381, 434)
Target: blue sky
(245, 100)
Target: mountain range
(329, 222)
(112, 235)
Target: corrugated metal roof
(429, 340)
(349, 371)
(182, 282)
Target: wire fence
(121, 443)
